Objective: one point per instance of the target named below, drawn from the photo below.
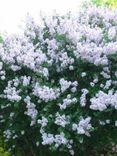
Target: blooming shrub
(59, 85)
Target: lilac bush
(59, 84)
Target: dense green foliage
(111, 3)
(3, 151)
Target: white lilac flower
(83, 97)
(48, 139)
(116, 73)
(102, 100)
(102, 123)
(116, 123)
(11, 93)
(67, 102)
(43, 122)
(61, 120)
(83, 127)
(64, 84)
(111, 33)
(108, 121)
(92, 84)
(1, 65)
(37, 143)
(108, 84)
(26, 80)
(83, 74)
(22, 132)
(71, 67)
(15, 67)
(45, 93)
(60, 139)
(95, 80)
(31, 110)
(7, 134)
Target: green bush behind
(3, 151)
(111, 3)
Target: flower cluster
(83, 127)
(102, 100)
